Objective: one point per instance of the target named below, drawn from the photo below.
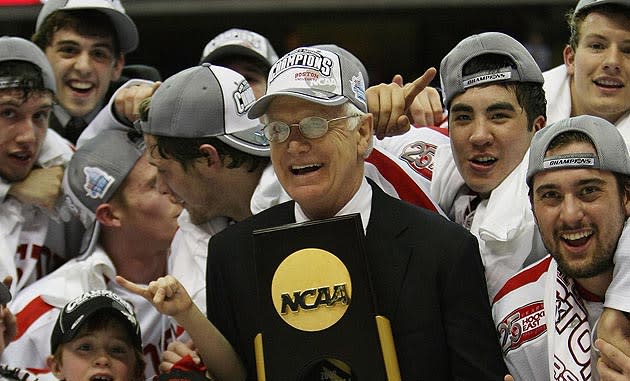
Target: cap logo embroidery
(485, 78)
(76, 322)
(97, 182)
(243, 97)
(304, 58)
(93, 294)
(358, 87)
(571, 161)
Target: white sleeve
(55, 150)
(618, 293)
(106, 118)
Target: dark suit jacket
(428, 279)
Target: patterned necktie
(465, 218)
(74, 128)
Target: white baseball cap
(239, 42)
(323, 74)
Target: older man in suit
(426, 271)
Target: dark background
(396, 36)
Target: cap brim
(235, 51)
(252, 141)
(260, 107)
(59, 337)
(125, 28)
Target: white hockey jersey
(37, 307)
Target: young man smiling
(27, 88)
(595, 77)
(580, 195)
(495, 100)
(85, 42)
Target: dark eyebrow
(500, 106)
(595, 181)
(105, 45)
(460, 107)
(583, 182)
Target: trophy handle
(260, 357)
(388, 348)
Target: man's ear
(55, 366)
(569, 59)
(539, 123)
(365, 130)
(210, 155)
(106, 215)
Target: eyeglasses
(311, 127)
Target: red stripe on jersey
(406, 188)
(37, 371)
(526, 276)
(29, 314)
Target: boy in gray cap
(578, 174)
(493, 93)
(129, 224)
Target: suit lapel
(388, 252)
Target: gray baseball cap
(207, 101)
(612, 152)
(95, 172)
(323, 74)
(19, 49)
(124, 26)
(453, 81)
(587, 4)
(239, 42)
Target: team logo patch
(243, 97)
(304, 58)
(419, 156)
(97, 182)
(357, 84)
(522, 325)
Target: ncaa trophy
(316, 307)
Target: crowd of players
(502, 223)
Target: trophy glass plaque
(316, 308)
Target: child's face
(102, 355)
